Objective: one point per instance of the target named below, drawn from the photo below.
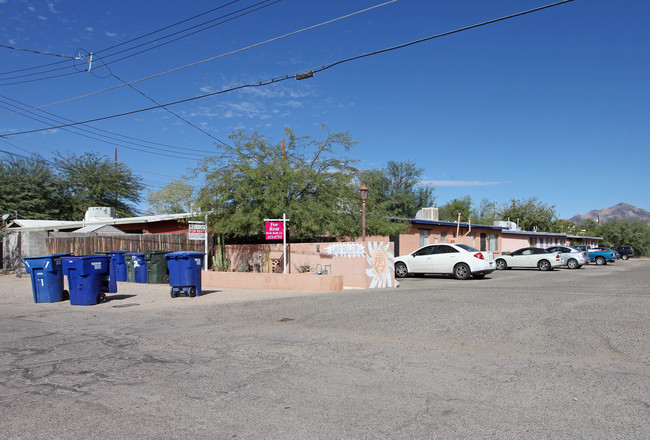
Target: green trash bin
(157, 272)
(130, 270)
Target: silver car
(572, 258)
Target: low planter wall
(271, 281)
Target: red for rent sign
(273, 230)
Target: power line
(96, 58)
(37, 52)
(213, 58)
(109, 134)
(171, 112)
(308, 73)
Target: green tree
(619, 232)
(565, 226)
(530, 214)
(396, 189)
(310, 182)
(174, 198)
(91, 179)
(449, 211)
(29, 188)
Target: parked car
(571, 257)
(530, 257)
(625, 251)
(459, 260)
(603, 255)
(599, 255)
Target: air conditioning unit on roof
(430, 214)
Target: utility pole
(116, 178)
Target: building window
(471, 237)
(443, 237)
(494, 242)
(533, 241)
(424, 238)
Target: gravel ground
(520, 354)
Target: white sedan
(530, 257)
(459, 260)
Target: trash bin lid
(175, 255)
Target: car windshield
(467, 248)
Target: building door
(395, 240)
(483, 242)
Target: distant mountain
(622, 211)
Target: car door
(421, 261)
(519, 258)
(445, 258)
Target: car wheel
(601, 261)
(401, 271)
(501, 264)
(572, 264)
(461, 271)
(624, 257)
(544, 265)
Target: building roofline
(441, 223)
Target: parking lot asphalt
(521, 354)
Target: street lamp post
(364, 196)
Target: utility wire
(77, 57)
(308, 74)
(37, 52)
(213, 58)
(171, 111)
(109, 134)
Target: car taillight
(479, 256)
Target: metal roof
(57, 225)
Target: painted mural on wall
(380, 262)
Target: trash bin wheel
(101, 298)
(172, 293)
(166, 279)
(192, 291)
(65, 296)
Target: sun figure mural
(381, 265)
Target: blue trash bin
(119, 264)
(185, 273)
(46, 273)
(139, 267)
(88, 279)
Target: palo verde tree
(308, 180)
(29, 188)
(92, 179)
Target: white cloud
(40, 17)
(441, 183)
(51, 8)
(111, 34)
(89, 29)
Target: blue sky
(554, 104)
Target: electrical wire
(309, 73)
(37, 52)
(171, 112)
(109, 134)
(214, 57)
(87, 56)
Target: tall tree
(29, 188)
(396, 188)
(92, 179)
(530, 214)
(449, 211)
(309, 181)
(174, 198)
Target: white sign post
(199, 231)
(272, 233)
